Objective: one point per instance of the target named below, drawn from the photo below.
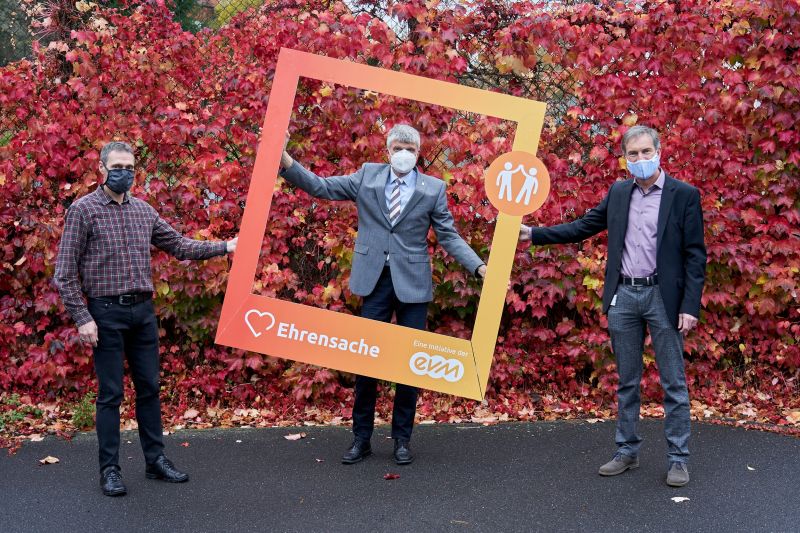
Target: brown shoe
(618, 465)
(678, 475)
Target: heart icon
(260, 330)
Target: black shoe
(357, 452)
(402, 452)
(164, 470)
(111, 482)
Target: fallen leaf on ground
(49, 460)
(295, 436)
(185, 444)
(36, 438)
(391, 476)
(679, 499)
(320, 460)
(750, 467)
(594, 420)
(238, 441)
(191, 413)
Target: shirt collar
(106, 199)
(659, 183)
(408, 178)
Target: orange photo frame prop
(359, 345)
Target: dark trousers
(380, 305)
(126, 331)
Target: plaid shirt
(105, 249)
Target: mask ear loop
(105, 183)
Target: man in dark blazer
(397, 207)
(654, 280)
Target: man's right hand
(230, 246)
(286, 159)
(88, 333)
(524, 233)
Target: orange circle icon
(517, 183)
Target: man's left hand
(686, 323)
(482, 271)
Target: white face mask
(403, 161)
(644, 168)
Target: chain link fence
(25, 21)
(546, 81)
(15, 31)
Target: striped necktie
(394, 202)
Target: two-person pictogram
(505, 180)
(517, 183)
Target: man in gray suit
(391, 270)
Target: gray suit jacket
(406, 242)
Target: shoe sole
(401, 463)
(632, 466)
(354, 461)
(156, 476)
(678, 484)
(112, 493)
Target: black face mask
(119, 180)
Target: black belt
(639, 282)
(126, 299)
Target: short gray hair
(403, 133)
(638, 131)
(114, 146)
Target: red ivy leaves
(721, 82)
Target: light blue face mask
(644, 168)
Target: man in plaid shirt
(105, 255)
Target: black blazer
(680, 249)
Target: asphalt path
(509, 477)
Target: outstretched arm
(592, 223)
(333, 188)
(444, 227)
(165, 237)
